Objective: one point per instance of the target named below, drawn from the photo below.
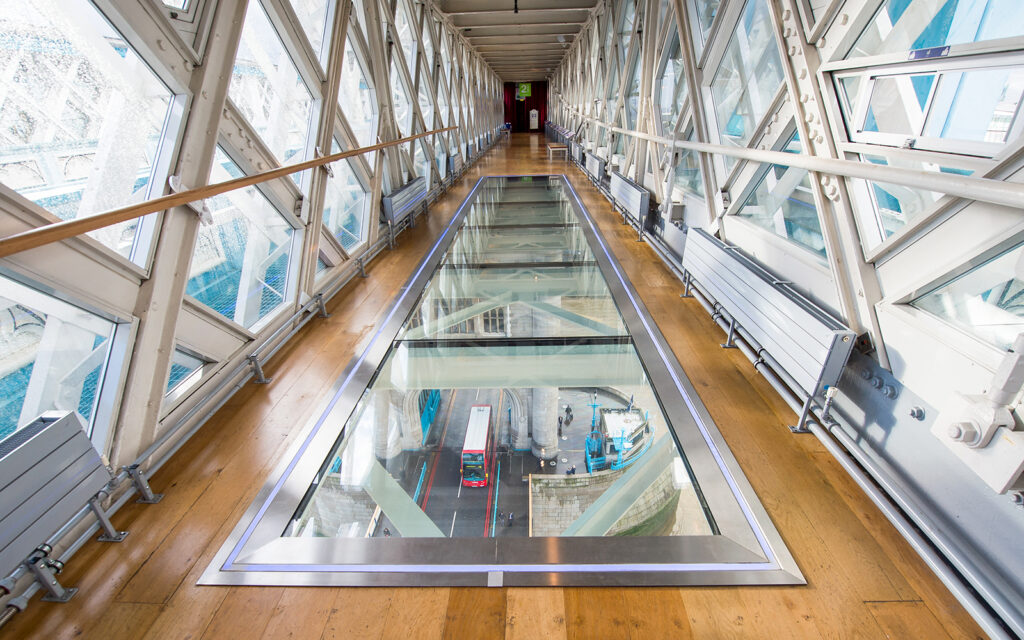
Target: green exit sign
(524, 91)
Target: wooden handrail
(65, 229)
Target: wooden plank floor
(864, 581)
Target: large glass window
(356, 98)
(783, 203)
(267, 88)
(345, 204)
(906, 25)
(52, 357)
(987, 301)
(748, 78)
(400, 100)
(314, 16)
(82, 118)
(241, 263)
(672, 87)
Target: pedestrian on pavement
(387, 532)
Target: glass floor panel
(517, 419)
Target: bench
(558, 148)
(631, 199)
(801, 342)
(403, 202)
(49, 471)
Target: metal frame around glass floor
(747, 548)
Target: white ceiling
(522, 46)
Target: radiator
(809, 345)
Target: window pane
(428, 44)
(321, 266)
(81, 115)
(426, 103)
(626, 29)
(897, 104)
(440, 158)
(345, 205)
(672, 88)
(975, 105)
(313, 16)
(783, 203)
(267, 89)
(406, 37)
(905, 25)
(182, 366)
(52, 356)
(176, 4)
(633, 97)
(987, 301)
(687, 173)
(356, 98)
(896, 205)
(420, 162)
(403, 114)
(749, 77)
(241, 262)
(706, 10)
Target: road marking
(452, 531)
(437, 454)
(459, 495)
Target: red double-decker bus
(476, 449)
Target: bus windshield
(472, 458)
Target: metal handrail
(999, 192)
(63, 230)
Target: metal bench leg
(321, 309)
(729, 343)
(801, 425)
(110, 534)
(257, 369)
(45, 571)
(142, 486)
(686, 285)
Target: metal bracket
(110, 534)
(362, 267)
(391, 235)
(801, 425)
(321, 309)
(686, 285)
(326, 167)
(200, 207)
(257, 369)
(729, 340)
(142, 485)
(45, 571)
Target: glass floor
(517, 419)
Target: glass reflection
(511, 402)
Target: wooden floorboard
(864, 581)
